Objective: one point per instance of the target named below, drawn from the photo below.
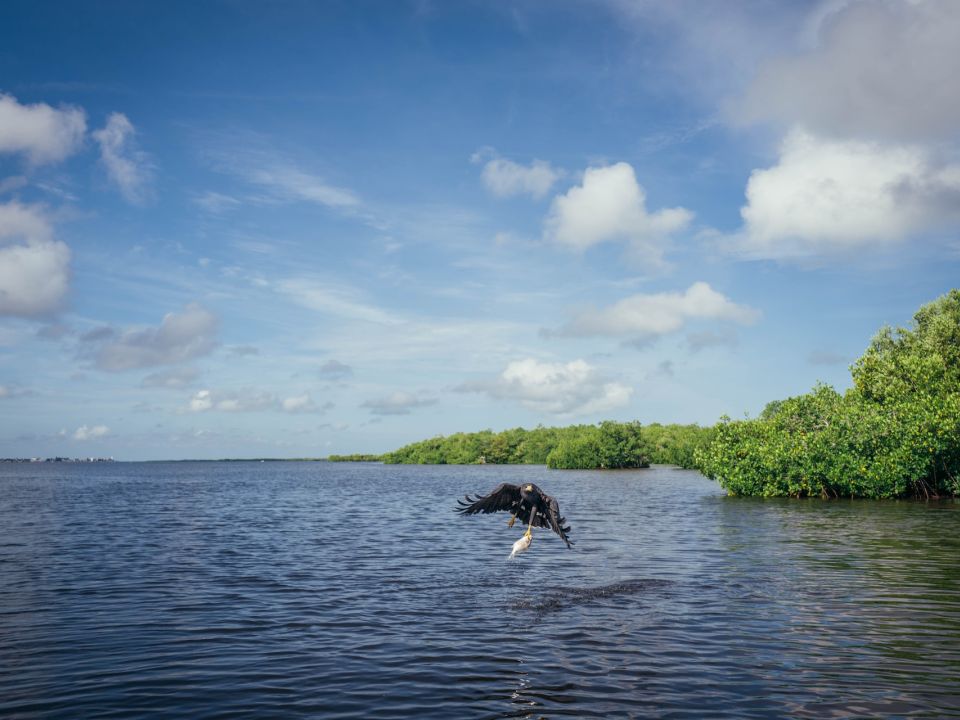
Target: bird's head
(529, 488)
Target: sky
(241, 229)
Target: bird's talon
(512, 521)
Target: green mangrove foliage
(895, 433)
(607, 445)
(355, 457)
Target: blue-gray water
(338, 590)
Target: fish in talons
(526, 503)
(521, 545)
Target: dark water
(312, 590)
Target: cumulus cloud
(610, 205)
(34, 267)
(877, 69)
(831, 196)
(179, 338)
(127, 167)
(505, 178)
(573, 388)
(42, 133)
(643, 317)
(85, 432)
(399, 403)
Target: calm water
(313, 590)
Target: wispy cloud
(399, 403)
(128, 167)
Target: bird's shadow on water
(556, 599)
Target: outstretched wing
(553, 519)
(504, 497)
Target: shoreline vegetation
(609, 446)
(894, 434)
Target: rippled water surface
(339, 590)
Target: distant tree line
(355, 457)
(607, 445)
(895, 433)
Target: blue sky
(234, 229)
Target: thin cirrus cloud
(41, 133)
(568, 389)
(506, 178)
(34, 267)
(180, 337)
(643, 317)
(127, 166)
(610, 206)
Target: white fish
(521, 545)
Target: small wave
(557, 599)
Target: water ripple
(215, 590)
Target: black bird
(526, 503)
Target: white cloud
(828, 197)
(298, 404)
(232, 401)
(128, 167)
(573, 388)
(44, 134)
(91, 433)
(180, 337)
(505, 178)
(399, 403)
(610, 205)
(250, 400)
(877, 69)
(34, 268)
(643, 317)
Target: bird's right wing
(504, 497)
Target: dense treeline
(606, 445)
(355, 457)
(895, 433)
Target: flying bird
(526, 503)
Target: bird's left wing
(503, 497)
(555, 520)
